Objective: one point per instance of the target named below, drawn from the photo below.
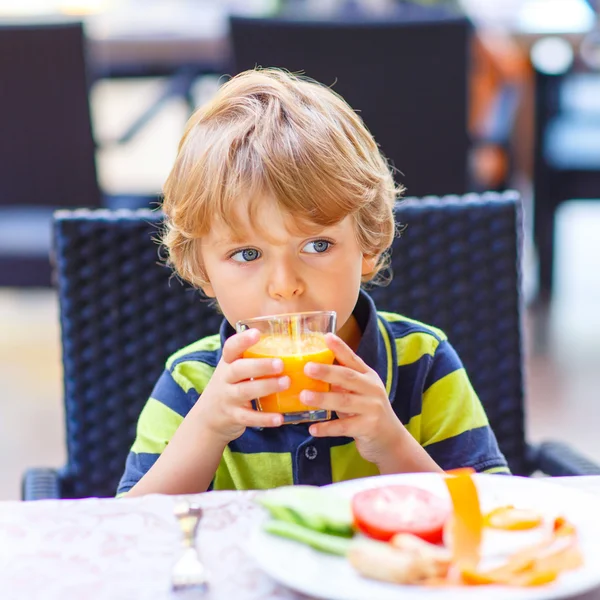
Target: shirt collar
(377, 346)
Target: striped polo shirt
(423, 376)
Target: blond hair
(270, 131)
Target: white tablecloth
(124, 549)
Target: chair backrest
(122, 314)
(407, 77)
(46, 144)
(457, 266)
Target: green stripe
(388, 355)
(497, 470)
(192, 374)
(414, 427)
(347, 463)
(450, 407)
(414, 346)
(256, 471)
(207, 344)
(156, 426)
(395, 318)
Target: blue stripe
(136, 466)
(475, 448)
(279, 439)
(445, 361)
(408, 400)
(170, 393)
(401, 329)
(208, 357)
(270, 439)
(369, 347)
(315, 471)
(393, 384)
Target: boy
(280, 201)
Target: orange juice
(295, 352)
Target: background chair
(47, 149)
(406, 75)
(122, 314)
(567, 157)
(46, 145)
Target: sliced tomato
(382, 512)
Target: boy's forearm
(186, 466)
(407, 456)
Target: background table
(155, 35)
(123, 549)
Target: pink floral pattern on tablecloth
(124, 549)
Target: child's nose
(285, 283)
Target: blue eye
(317, 246)
(245, 255)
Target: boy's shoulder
(402, 326)
(205, 350)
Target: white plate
(316, 574)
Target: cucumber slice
(310, 506)
(324, 542)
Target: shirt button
(310, 452)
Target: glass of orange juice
(295, 338)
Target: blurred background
(462, 95)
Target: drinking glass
(295, 338)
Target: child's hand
(224, 406)
(359, 398)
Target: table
(146, 37)
(531, 18)
(123, 549)
(160, 35)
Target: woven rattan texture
(122, 314)
(457, 266)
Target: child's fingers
(248, 368)
(235, 346)
(343, 377)
(345, 355)
(254, 418)
(340, 402)
(348, 427)
(245, 391)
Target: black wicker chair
(46, 144)
(122, 313)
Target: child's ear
(369, 263)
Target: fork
(188, 572)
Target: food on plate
(411, 543)
(466, 525)
(409, 560)
(407, 535)
(538, 564)
(312, 507)
(513, 519)
(324, 542)
(382, 512)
